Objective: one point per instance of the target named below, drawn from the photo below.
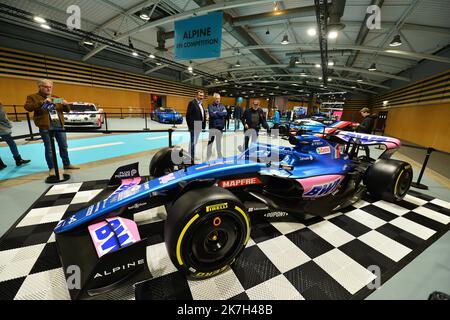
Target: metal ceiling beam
(381, 51)
(308, 66)
(238, 80)
(156, 69)
(286, 14)
(363, 32)
(177, 17)
(128, 13)
(354, 24)
(311, 84)
(346, 87)
(399, 24)
(321, 7)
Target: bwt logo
(373, 21)
(323, 189)
(108, 235)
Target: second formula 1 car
(301, 126)
(210, 205)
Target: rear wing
(364, 139)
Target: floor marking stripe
(96, 146)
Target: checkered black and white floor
(328, 258)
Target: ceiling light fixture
(145, 14)
(373, 67)
(332, 34)
(330, 63)
(312, 32)
(238, 64)
(39, 19)
(318, 65)
(285, 40)
(45, 26)
(275, 6)
(397, 41)
(152, 56)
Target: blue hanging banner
(199, 37)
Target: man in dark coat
(368, 123)
(253, 119)
(196, 120)
(217, 117)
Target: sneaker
(71, 167)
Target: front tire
(206, 229)
(283, 130)
(389, 179)
(162, 163)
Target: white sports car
(84, 114)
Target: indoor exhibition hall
(232, 150)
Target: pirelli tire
(206, 229)
(389, 179)
(162, 163)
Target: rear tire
(389, 179)
(206, 229)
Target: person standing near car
(5, 135)
(253, 119)
(228, 117)
(217, 118)
(367, 124)
(196, 121)
(40, 103)
(237, 114)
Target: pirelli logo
(216, 207)
(239, 182)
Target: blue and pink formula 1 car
(210, 205)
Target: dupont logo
(239, 182)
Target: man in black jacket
(217, 118)
(367, 124)
(196, 120)
(253, 119)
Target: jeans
(237, 124)
(61, 138)
(194, 139)
(213, 134)
(12, 145)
